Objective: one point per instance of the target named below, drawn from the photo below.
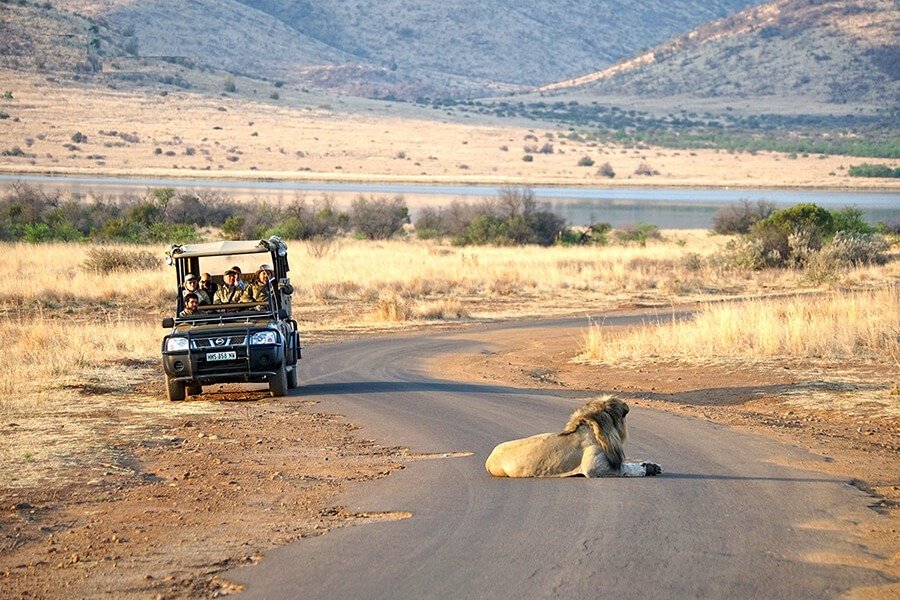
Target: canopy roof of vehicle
(221, 248)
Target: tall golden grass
(863, 325)
(59, 319)
(43, 353)
(682, 265)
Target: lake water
(664, 207)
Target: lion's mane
(606, 418)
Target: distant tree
(378, 218)
(741, 216)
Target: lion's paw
(651, 468)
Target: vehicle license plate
(221, 355)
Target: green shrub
(121, 230)
(797, 230)
(229, 85)
(599, 233)
(585, 161)
(850, 219)
(870, 170)
(485, 229)
(173, 233)
(639, 233)
(233, 226)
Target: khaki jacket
(228, 294)
(256, 292)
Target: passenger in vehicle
(239, 281)
(190, 305)
(192, 286)
(208, 285)
(229, 292)
(258, 291)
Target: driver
(190, 305)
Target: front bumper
(251, 363)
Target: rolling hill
(401, 48)
(791, 52)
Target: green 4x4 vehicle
(229, 340)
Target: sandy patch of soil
(125, 495)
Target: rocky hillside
(403, 48)
(840, 52)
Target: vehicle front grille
(218, 341)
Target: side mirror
(168, 322)
(287, 289)
(283, 314)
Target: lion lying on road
(590, 445)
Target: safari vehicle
(237, 341)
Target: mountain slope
(498, 41)
(401, 47)
(836, 52)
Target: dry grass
(858, 326)
(309, 139)
(41, 353)
(61, 319)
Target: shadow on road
(710, 477)
(381, 387)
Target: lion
(590, 445)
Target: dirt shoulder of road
(126, 495)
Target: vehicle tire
(292, 378)
(194, 389)
(174, 390)
(278, 384)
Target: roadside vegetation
(369, 269)
(859, 326)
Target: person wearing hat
(229, 291)
(258, 291)
(192, 286)
(190, 305)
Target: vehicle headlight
(264, 337)
(176, 344)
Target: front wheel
(292, 378)
(174, 390)
(278, 383)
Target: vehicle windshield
(216, 288)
